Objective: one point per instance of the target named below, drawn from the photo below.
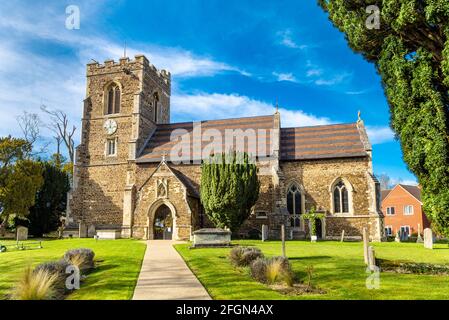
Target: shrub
(244, 256)
(258, 269)
(58, 269)
(36, 285)
(82, 258)
(276, 269)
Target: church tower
(125, 101)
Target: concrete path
(165, 275)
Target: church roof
(321, 142)
(301, 143)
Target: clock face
(110, 126)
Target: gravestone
(342, 236)
(419, 239)
(283, 239)
(82, 228)
(398, 237)
(91, 231)
(371, 259)
(365, 244)
(264, 232)
(428, 238)
(21, 233)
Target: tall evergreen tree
(229, 189)
(408, 41)
(20, 178)
(51, 200)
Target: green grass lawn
(118, 266)
(339, 270)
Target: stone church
(134, 179)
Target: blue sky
(227, 59)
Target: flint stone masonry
(211, 237)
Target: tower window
(155, 104)
(113, 99)
(111, 147)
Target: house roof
(415, 191)
(301, 143)
(384, 194)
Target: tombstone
(365, 244)
(342, 236)
(371, 259)
(428, 238)
(82, 228)
(264, 232)
(91, 231)
(283, 239)
(398, 237)
(211, 237)
(419, 239)
(21, 233)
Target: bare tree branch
(30, 124)
(59, 124)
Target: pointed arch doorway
(163, 224)
(162, 221)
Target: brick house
(139, 174)
(402, 208)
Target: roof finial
(277, 106)
(359, 116)
(124, 51)
(164, 157)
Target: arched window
(294, 205)
(341, 198)
(113, 99)
(155, 104)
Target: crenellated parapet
(136, 66)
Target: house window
(341, 198)
(408, 210)
(111, 147)
(405, 230)
(388, 231)
(113, 99)
(294, 205)
(390, 211)
(261, 215)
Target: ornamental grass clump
(244, 256)
(36, 285)
(81, 258)
(272, 271)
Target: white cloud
(200, 106)
(285, 77)
(286, 39)
(314, 72)
(31, 77)
(379, 135)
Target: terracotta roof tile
(319, 142)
